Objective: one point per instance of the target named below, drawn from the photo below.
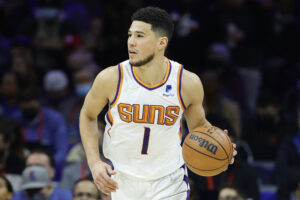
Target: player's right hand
(100, 172)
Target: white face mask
(37, 196)
(82, 89)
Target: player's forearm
(89, 138)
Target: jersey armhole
(179, 81)
(119, 86)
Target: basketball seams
(228, 139)
(231, 148)
(205, 169)
(204, 153)
(214, 140)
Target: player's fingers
(109, 182)
(111, 172)
(226, 131)
(232, 160)
(234, 145)
(234, 153)
(103, 186)
(100, 186)
(101, 181)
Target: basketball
(207, 150)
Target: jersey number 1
(146, 141)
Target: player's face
(141, 43)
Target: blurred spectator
(86, 189)
(216, 103)
(242, 25)
(230, 192)
(12, 151)
(264, 132)
(43, 127)
(23, 66)
(6, 189)
(81, 58)
(44, 159)
(77, 16)
(291, 101)
(56, 87)
(37, 185)
(219, 58)
(10, 88)
(13, 14)
(4, 54)
(296, 192)
(282, 50)
(76, 164)
(287, 166)
(94, 39)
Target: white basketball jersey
(143, 125)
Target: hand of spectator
(101, 174)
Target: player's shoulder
(190, 79)
(191, 88)
(107, 75)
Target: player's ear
(163, 42)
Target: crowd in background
(246, 52)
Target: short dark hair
(159, 19)
(29, 94)
(46, 153)
(85, 179)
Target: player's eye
(140, 35)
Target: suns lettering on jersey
(125, 112)
(136, 113)
(147, 114)
(161, 113)
(172, 113)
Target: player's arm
(193, 94)
(102, 91)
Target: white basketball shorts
(171, 187)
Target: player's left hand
(234, 149)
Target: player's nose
(131, 42)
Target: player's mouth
(132, 52)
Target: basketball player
(147, 97)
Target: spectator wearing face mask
(58, 95)
(37, 185)
(43, 127)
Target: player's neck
(153, 72)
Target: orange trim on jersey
(119, 87)
(110, 117)
(179, 87)
(179, 132)
(156, 85)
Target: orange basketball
(207, 150)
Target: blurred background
(246, 52)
